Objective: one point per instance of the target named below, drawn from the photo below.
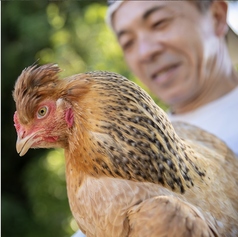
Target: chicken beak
(24, 144)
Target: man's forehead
(139, 8)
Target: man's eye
(159, 23)
(127, 44)
(42, 112)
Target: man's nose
(148, 48)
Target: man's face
(169, 45)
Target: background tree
(74, 35)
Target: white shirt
(79, 233)
(219, 117)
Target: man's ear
(219, 13)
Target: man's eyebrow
(146, 14)
(150, 11)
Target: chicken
(129, 172)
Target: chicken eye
(42, 112)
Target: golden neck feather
(123, 133)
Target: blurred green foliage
(74, 35)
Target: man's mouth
(163, 75)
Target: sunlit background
(74, 35)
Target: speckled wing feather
(126, 208)
(101, 204)
(212, 147)
(168, 216)
(201, 137)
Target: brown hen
(128, 172)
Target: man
(178, 49)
